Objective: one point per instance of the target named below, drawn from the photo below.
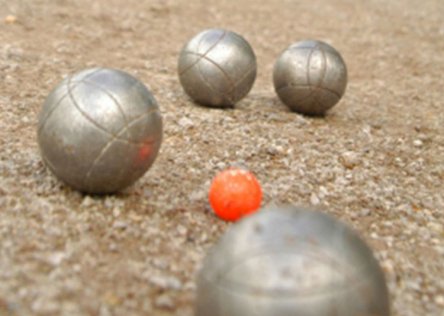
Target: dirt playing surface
(376, 161)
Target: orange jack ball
(235, 193)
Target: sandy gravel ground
(376, 161)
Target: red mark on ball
(144, 153)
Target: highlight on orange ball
(235, 193)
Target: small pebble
(314, 199)
(182, 230)
(56, 258)
(349, 159)
(10, 19)
(165, 282)
(113, 247)
(120, 225)
(164, 302)
(417, 143)
(87, 201)
(185, 122)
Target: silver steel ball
(285, 261)
(217, 68)
(99, 130)
(310, 77)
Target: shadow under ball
(285, 261)
(217, 68)
(99, 130)
(310, 77)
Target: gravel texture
(376, 161)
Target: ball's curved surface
(99, 130)
(285, 261)
(234, 193)
(217, 68)
(310, 77)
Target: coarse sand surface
(376, 161)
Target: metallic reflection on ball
(99, 130)
(310, 77)
(217, 68)
(286, 261)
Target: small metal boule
(99, 130)
(285, 261)
(217, 68)
(310, 77)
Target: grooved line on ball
(48, 163)
(115, 138)
(307, 67)
(207, 83)
(53, 169)
(87, 117)
(291, 85)
(109, 94)
(63, 97)
(323, 73)
(244, 76)
(302, 47)
(310, 87)
(201, 75)
(311, 92)
(224, 73)
(240, 288)
(122, 171)
(205, 53)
